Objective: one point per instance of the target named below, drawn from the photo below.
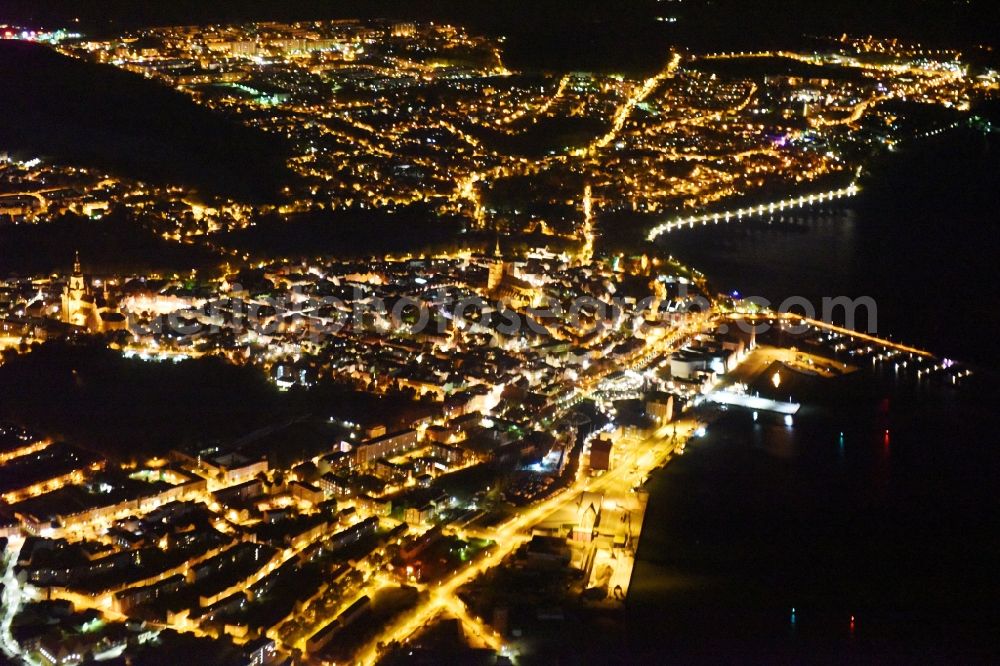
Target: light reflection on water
(758, 518)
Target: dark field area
(95, 397)
(349, 233)
(113, 244)
(95, 115)
(550, 135)
(92, 396)
(741, 68)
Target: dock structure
(753, 402)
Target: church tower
(496, 269)
(77, 286)
(74, 305)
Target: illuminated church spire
(74, 306)
(77, 285)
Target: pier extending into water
(754, 402)
(750, 212)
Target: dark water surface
(900, 532)
(921, 239)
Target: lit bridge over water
(749, 212)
